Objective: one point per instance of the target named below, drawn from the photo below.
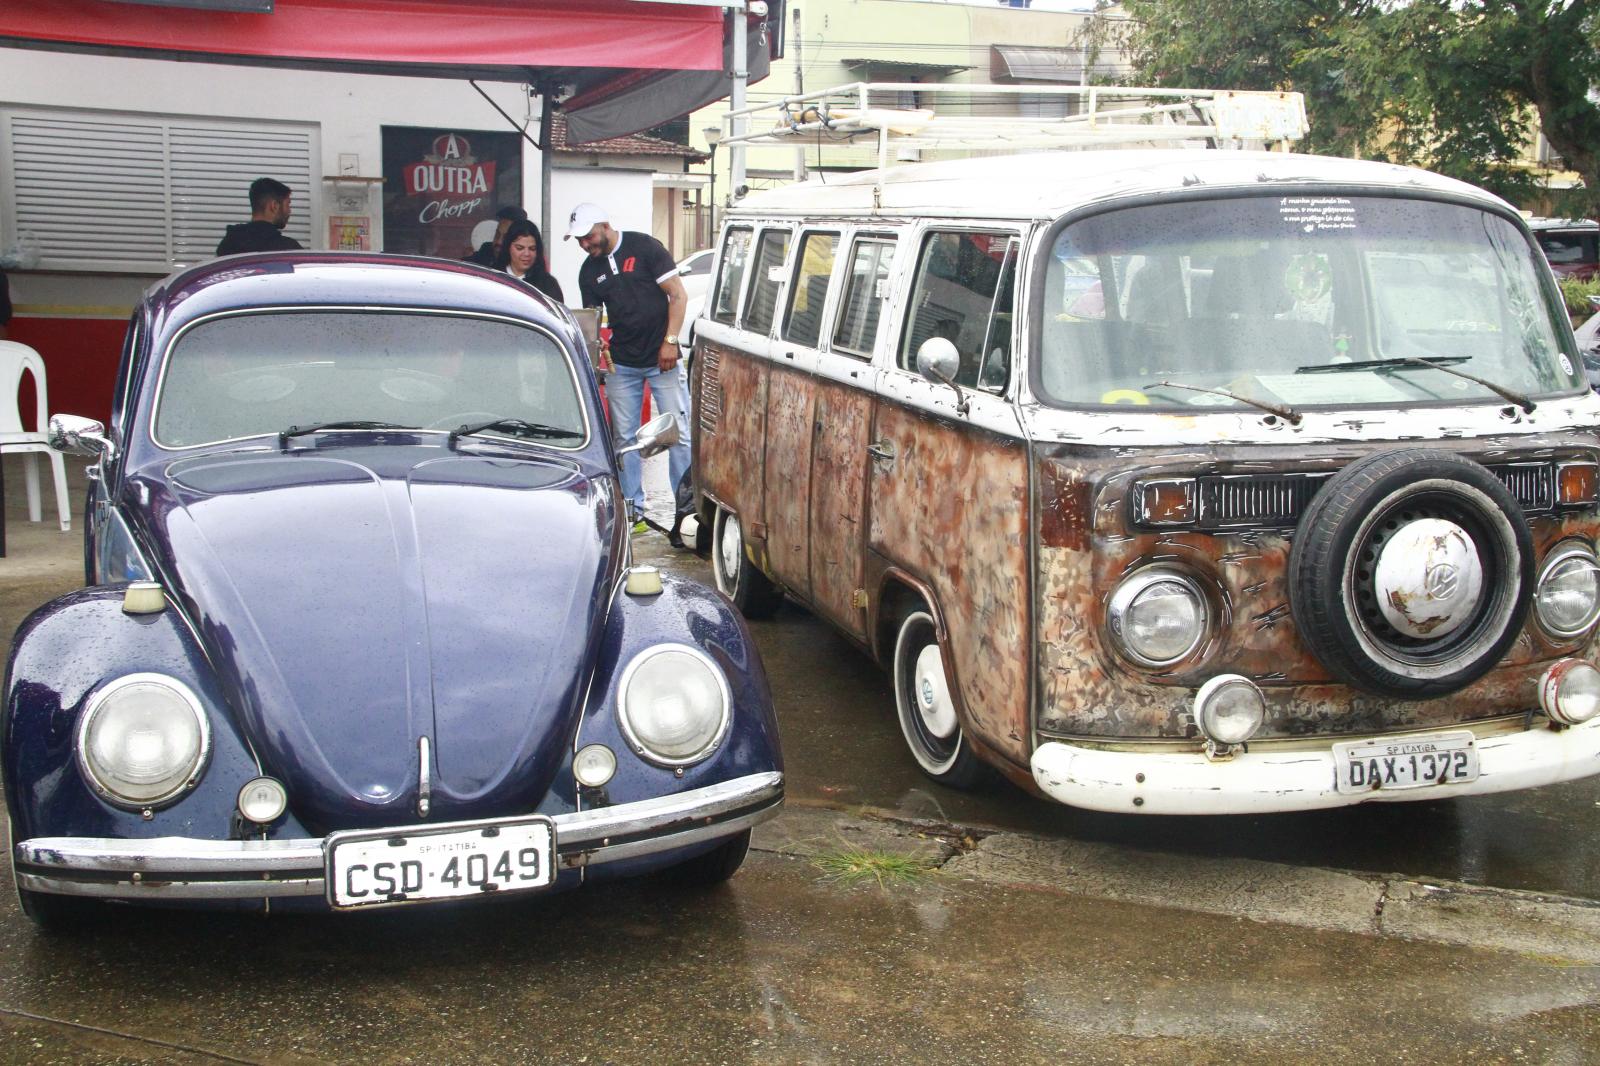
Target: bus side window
(957, 282)
(809, 291)
(735, 257)
(771, 252)
(864, 293)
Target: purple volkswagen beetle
(362, 626)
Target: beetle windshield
(1299, 301)
(261, 373)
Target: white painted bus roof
(1047, 184)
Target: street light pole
(713, 134)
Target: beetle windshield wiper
(516, 427)
(318, 427)
(1441, 363)
(1282, 410)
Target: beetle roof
(1047, 184)
(311, 279)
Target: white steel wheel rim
(932, 694)
(730, 545)
(934, 753)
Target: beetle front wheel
(926, 709)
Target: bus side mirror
(938, 361)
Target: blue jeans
(625, 395)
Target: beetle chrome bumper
(1132, 782)
(176, 868)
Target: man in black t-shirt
(637, 282)
(269, 213)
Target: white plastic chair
(14, 360)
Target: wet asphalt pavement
(787, 964)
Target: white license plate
(367, 867)
(1405, 762)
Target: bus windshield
(1298, 301)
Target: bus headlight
(1569, 692)
(1229, 709)
(1568, 596)
(1157, 616)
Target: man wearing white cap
(636, 279)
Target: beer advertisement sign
(438, 184)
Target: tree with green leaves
(1457, 86)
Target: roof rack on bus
(1105, 116)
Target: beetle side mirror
(79, 436)
(655, 436)
(938, 360)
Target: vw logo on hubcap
(1428, 578)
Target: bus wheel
(926, 709)
(737, 577)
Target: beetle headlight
(1157, 616)
(1568, 598)
(143, 740)
(673, 704)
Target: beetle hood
(358, 600)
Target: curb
(1557, 929)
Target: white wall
(626, 194)
(351, 109)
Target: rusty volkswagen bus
(1180, 481)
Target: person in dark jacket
(522, 256)
(269, 213)
(487, 250)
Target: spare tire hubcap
(1428, 578)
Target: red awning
(476, 38)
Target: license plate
(1410, 762)
(367, 867)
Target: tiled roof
(633, 144)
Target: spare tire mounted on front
(1411, 573)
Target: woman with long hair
(522, 256)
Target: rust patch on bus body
(730, 413)
(790, 395)
(1087, 689)
(838, 501)
(952, 508)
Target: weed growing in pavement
(852, 865)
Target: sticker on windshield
(1566, 365)
(1314, 214)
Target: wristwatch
(671, 338)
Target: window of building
(116, 192)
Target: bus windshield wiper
(1441, 363)
(517, 427)
(1282, 410)
(318, 427)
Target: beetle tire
(1336, 605)
(52, 913)
(738, 578)
(715, 866)
(919, 679)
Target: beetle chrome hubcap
(933, 698)
(1428, 578)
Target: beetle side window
(957, 296)
(865, 288)
(813, 268)
(770, 254)
(735, 257)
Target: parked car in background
(362, 626)
(1572, 246)
(694, 270)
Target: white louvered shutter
(146, 193)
